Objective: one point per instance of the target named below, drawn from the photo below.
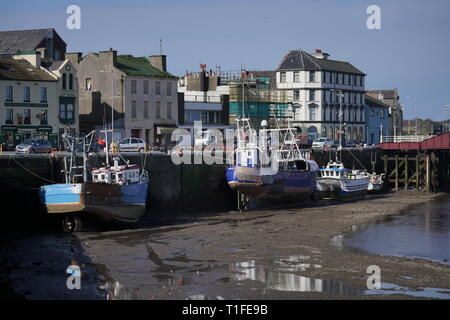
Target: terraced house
(310, 80)
(38, 88)
(135, 95)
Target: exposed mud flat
(293, 253)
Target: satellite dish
(264, 124)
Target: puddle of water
(419, 232)
(390, 289)
(282, 278)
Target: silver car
(132, 145)
(34, 146)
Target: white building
(38, 101)
(310, 80)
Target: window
(372, 113)
(63, 81)
(66, 109)
(169, 110)
(145, 109)
(43, 117)
(9, 116)
(296, 95)
(382, 114)
(327, 77)
(133, 86)
(88, 82)
(169, 88)
(70, 81)
(133, 109)
(296, 76)
(312, 95)
(312, 113)
(312, 76)
(27, 116)
(158, 88)
(158, 110)
(26, 94)
(340, 75)
(283, 77)
(9, 93)
(145, 87)
(43, 94)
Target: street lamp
(445, 124)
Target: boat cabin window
(300, 165)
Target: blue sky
(410, 52)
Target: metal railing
(410, 138)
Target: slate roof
(372, 102)
(139, 66)
(21, 40)
(301, 60)
(22, 70)
(387, 94)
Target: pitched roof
(11, 69)
(301, 60)
(139, 66)
(387, 94)
(373, 102)
(22, 40)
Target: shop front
(15, 134)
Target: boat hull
(341, 188)
(291, 185)
(109, 202)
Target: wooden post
(406, 172)
(417, 171)
(427, 175)
(386, 165)
(396, 172)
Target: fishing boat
(112, 192)
(376, 182)
(288, 176)
(335, 181)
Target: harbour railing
(409, 138)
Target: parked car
(8, 146)
(34, 146)
(132, 145)
(321, 143)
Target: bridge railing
(410, 138)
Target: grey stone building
(139, 91)
(392, 99)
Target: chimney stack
(73, 57)
(158, 61)
(319, 54)
(109, 56)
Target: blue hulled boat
(288, 176)
(111, 193)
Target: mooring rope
(33, 173)
(357, 159)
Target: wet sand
(289, 253)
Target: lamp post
(340, 95)
(445, 124)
